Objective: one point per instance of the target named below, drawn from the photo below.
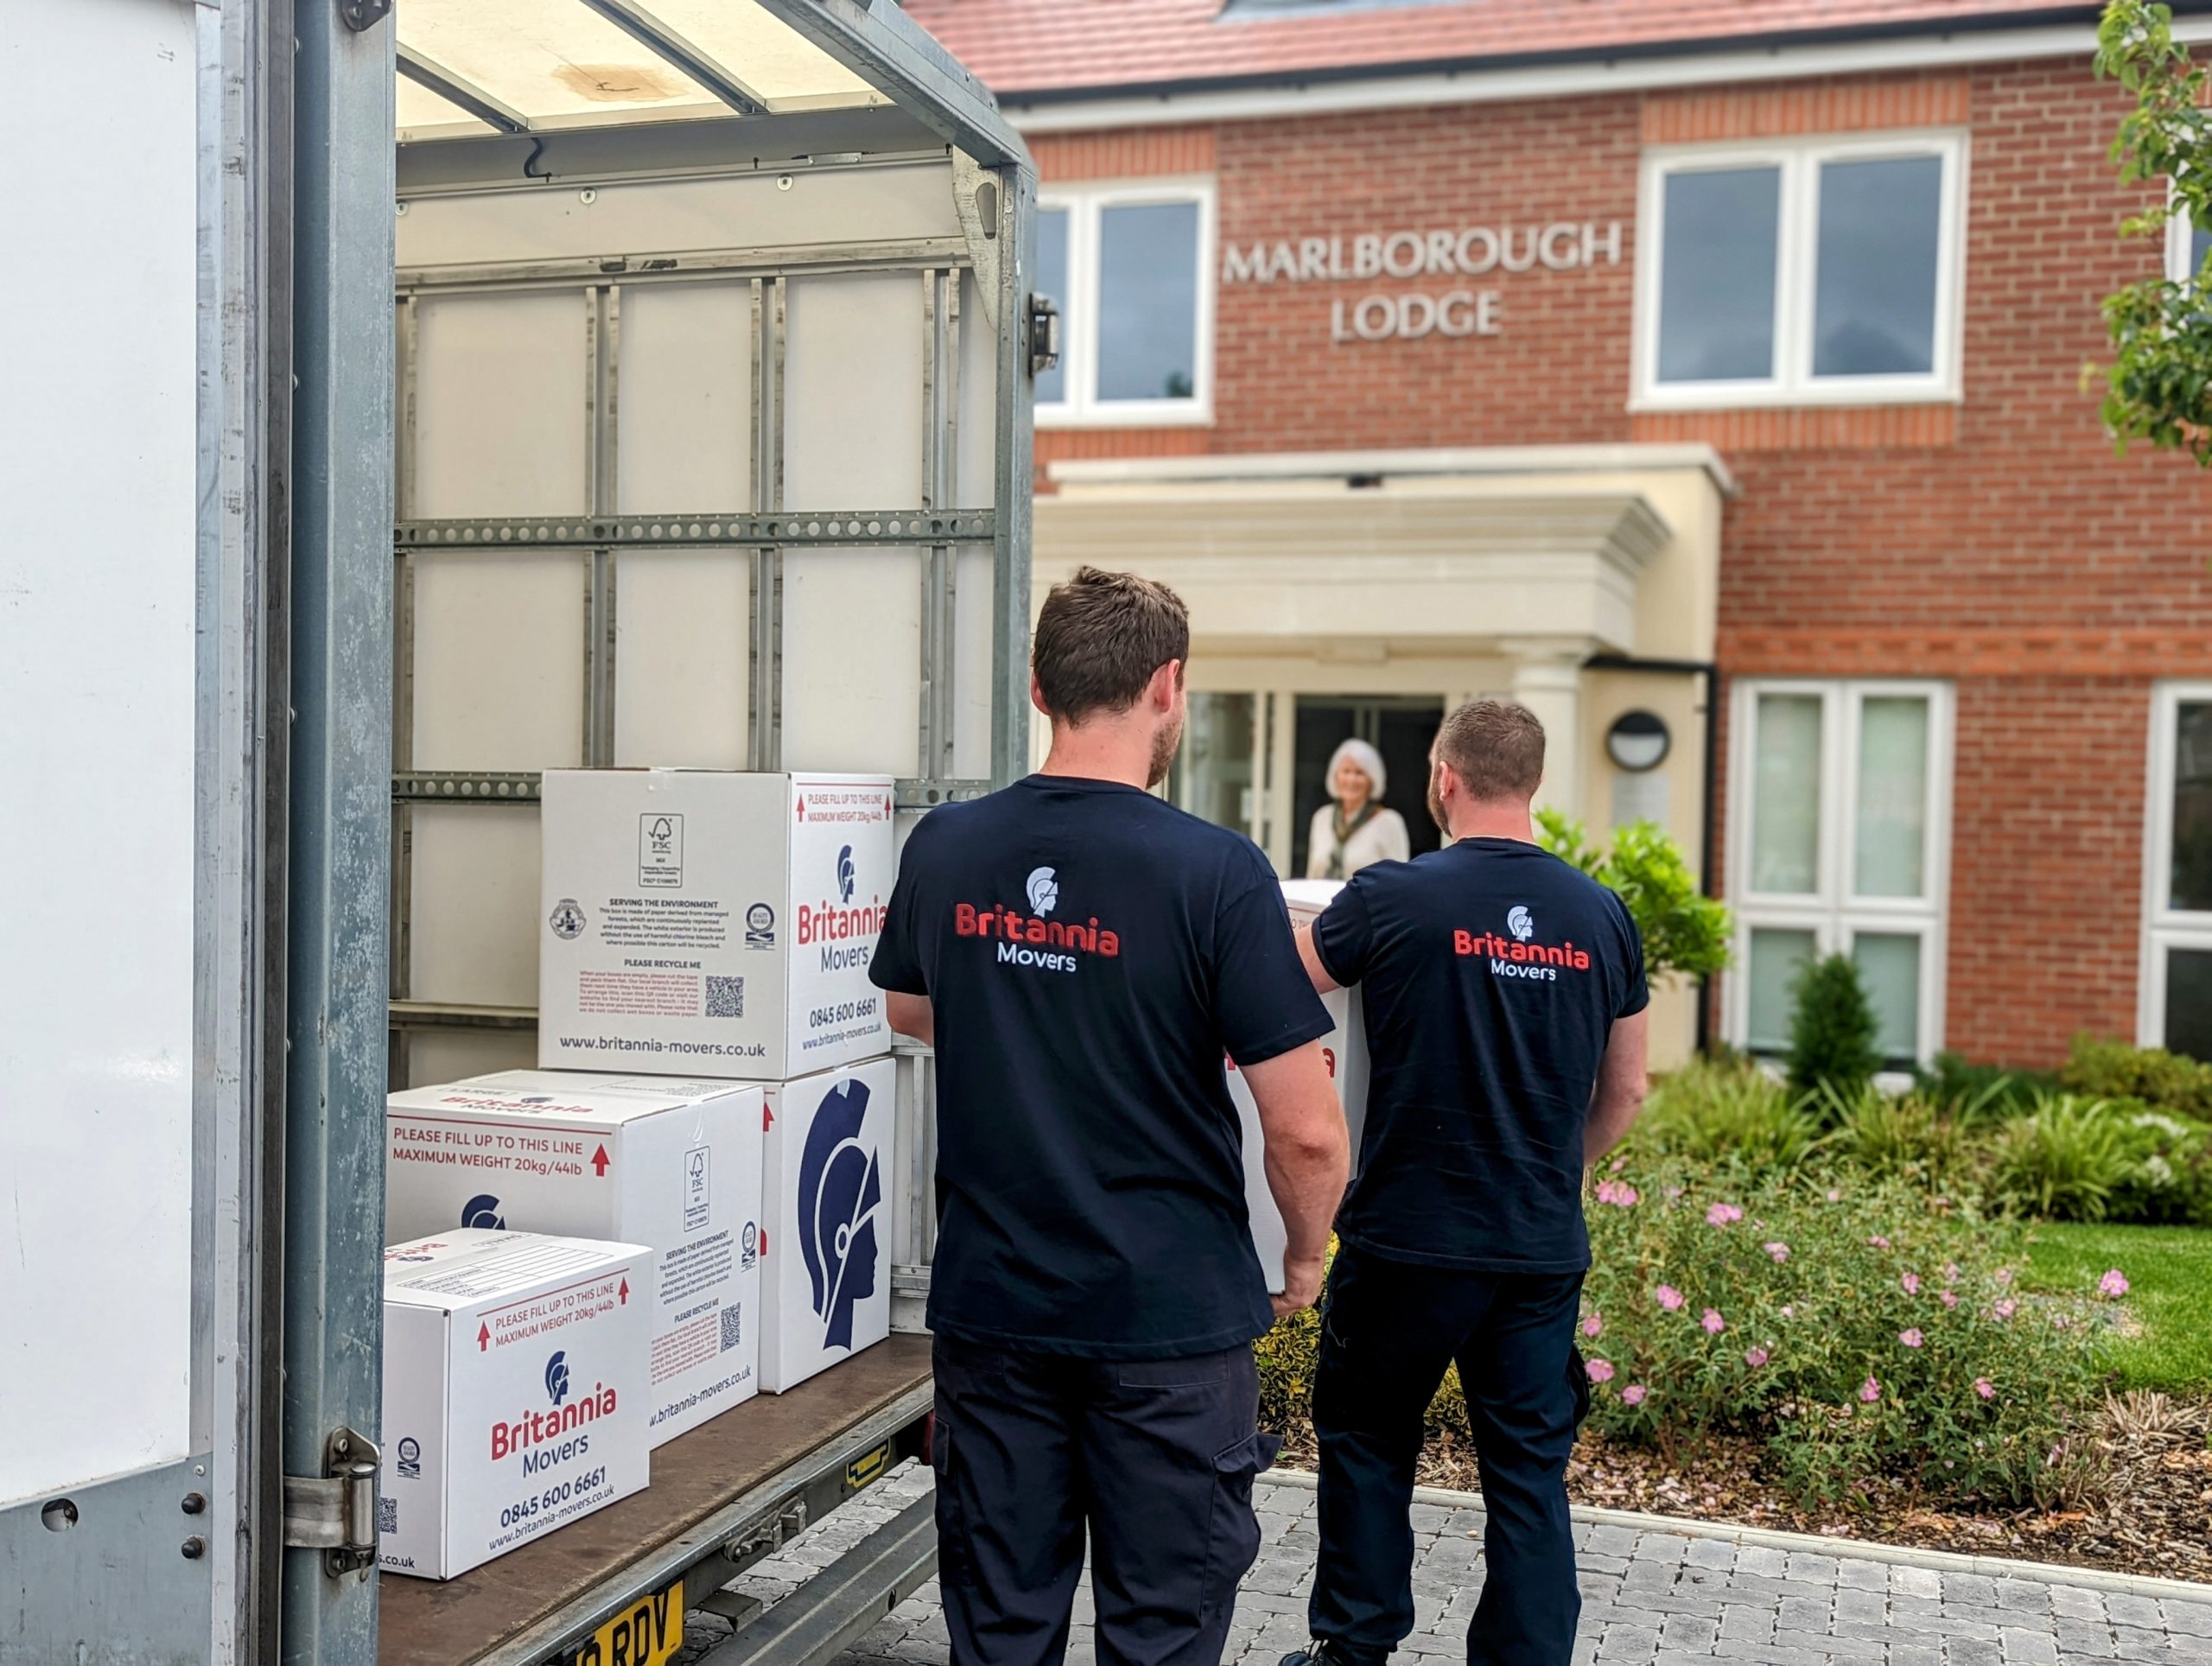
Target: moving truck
(660, 398)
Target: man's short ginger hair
(1496, 749)
(1100, 636)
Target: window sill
(1839, 396)
(1127, 416)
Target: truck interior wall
(525, 388)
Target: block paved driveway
(1650, 1598)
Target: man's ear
(1160, 691)
(1037, 695)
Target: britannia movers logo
(1030, 940)
(483, 1210)
(534, 1428)
(1522, 957)
(837, 925)
(840, 1188)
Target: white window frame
(2179, 235)
(1796, 279)
(1079, 312)
(2164, 926)
(1833, 914)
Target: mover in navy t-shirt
(1090, 952)
(1492, 973)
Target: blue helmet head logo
(483, 1210)
(845, 874)
(557, 1378)
(840, 1188)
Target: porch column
(1547, 679)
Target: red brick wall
(1997, 542)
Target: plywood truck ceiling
(560, 65)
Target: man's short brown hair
(1100, 636)
(1496, 749)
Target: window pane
(1890, 965)
(1716, 276)
(2188, 1002)
(1213, 771)
(1874, 313)
(2200, 244)
(1053, 280)
(1148, 301)
(1775, 959)
(2192, 870)
(1892, 832)
(1786, 795)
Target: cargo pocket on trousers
(1578, 1381)
(1233, 1535)
(954, 1558)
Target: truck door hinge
(1044, 334)
(336, 1511)
(363, 14)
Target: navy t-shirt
(1492, 973)
(1091, 952)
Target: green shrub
(1727, 1110)
(2064, 1161)
(2168, 1178)
(1905, 1137)
(2161, 1080)
(1682, 930)
(1859, 1328)
(1980, 1091)
(1832, 1032)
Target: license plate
(646, 1633)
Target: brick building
(1652, 358)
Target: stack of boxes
(713, 1112)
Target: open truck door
(299, 597)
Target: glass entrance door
(1401, 726)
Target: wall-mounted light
(1638, 740)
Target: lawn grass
(2169, 1269)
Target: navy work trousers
(1155, 1458)
(1388, 1332)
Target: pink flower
(1834, 1195)
(1780, 1252)
(1789, 1312)
(1948, 1298)
(1673, 1193)
(1594, 1326)
(1870, 1391)
(1601, 1371)
(1619, 1164)
(1878, 1242)
(2114, 1283)
(1755, 1358)
(2059, 1321)
(1911, 1338)
(1670, 1297)
(1985, 1388)
(1721, 1214)
(1713, 1322)
(2004, 1276)
(1618, 1194)
(2005, 1309)
(1910, 1282)
(1632, 1394)
(1950, 1272)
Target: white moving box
(826, 1286)
(653, 1160)
(514, 1393)
(1345, 1048)
(698, 922)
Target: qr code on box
(733, 1327)
(725, 997)
(387, 1515)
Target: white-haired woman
(1355, 830)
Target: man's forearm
(1307, 1182)
(1611, 1116)
(911, 1014)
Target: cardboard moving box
(701, 922)
(826, 1282)
(514, 1379)
(1345, 1048)
(652, 1159)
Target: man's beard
(1165, 740)
(1436, 807)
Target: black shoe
(1317, 1651)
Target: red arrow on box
(483, 1338)
(598, 1160)
(625, 1293)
